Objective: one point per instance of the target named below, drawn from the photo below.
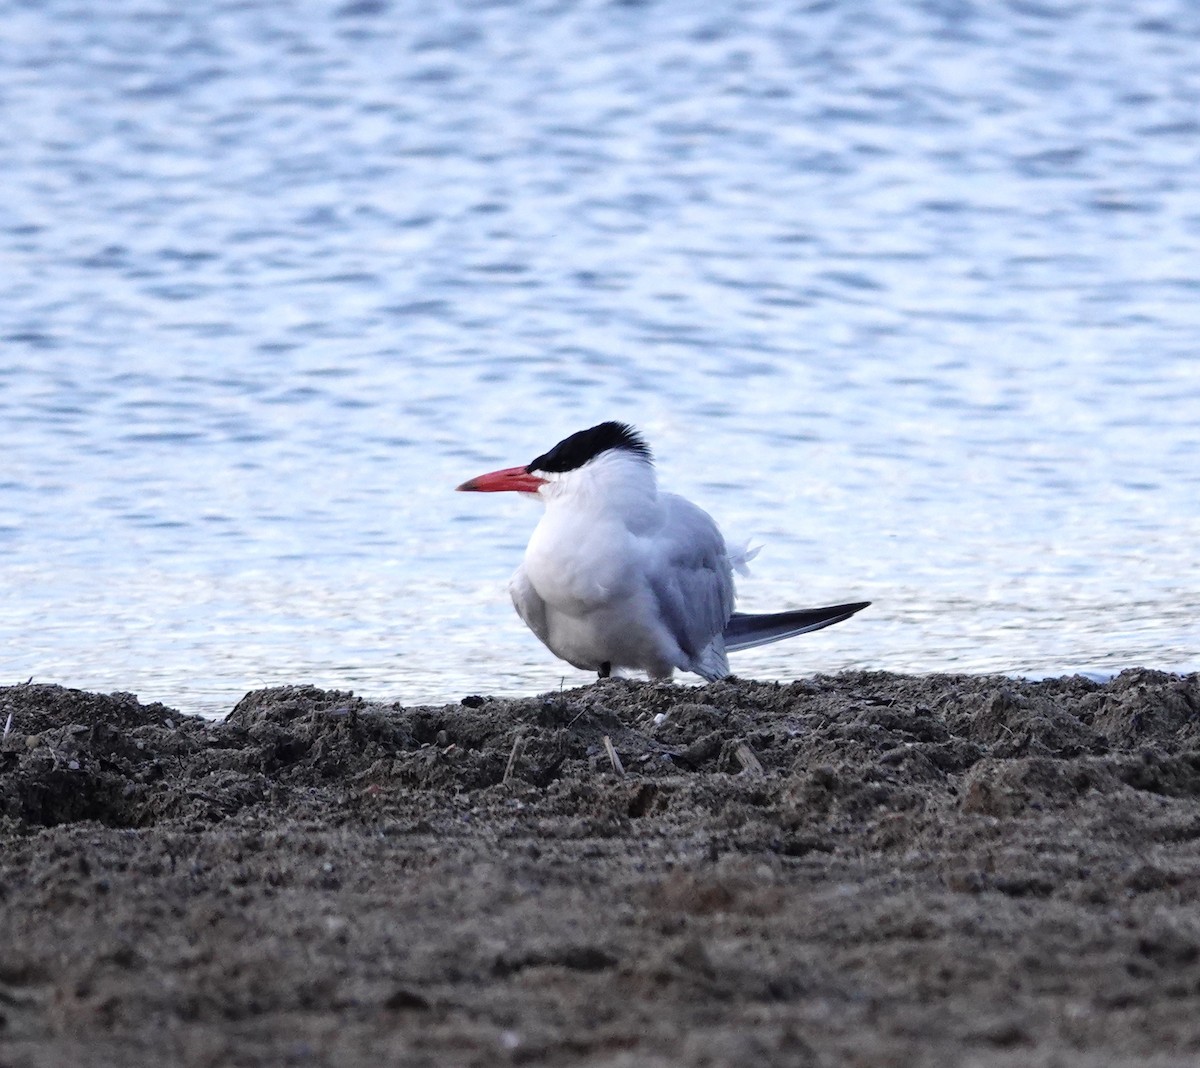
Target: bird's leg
(605, 670)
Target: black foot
(605, 670)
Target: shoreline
(854, 868)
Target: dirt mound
(862, 868)
(813, 749)
(73, 756)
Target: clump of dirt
(863, 867)
(73, 756)
(815, 751)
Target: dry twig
(751, 765)
(615, 760)
(514, 756)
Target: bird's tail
(745, 631)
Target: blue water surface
(907, 292)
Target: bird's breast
(579, 566)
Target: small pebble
(510, 1040)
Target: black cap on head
(573, 452)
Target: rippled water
(908, 292)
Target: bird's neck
(610, 487)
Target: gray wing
(694, 583)
(529, 604)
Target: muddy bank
(860, 869)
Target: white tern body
(620, 575)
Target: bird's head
(607, 455)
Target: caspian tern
(619, 575)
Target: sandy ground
(862, 869)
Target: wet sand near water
(860, 869)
